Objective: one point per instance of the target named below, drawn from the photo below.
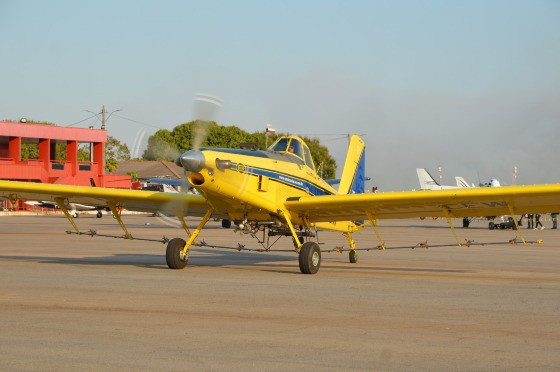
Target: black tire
(491, 226)
(173, 254)
(309, 258)
(99, 214)
(226, 224)
(466, 222)
(353, 256)
(75, 215)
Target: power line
(139, 122)
(81, 121)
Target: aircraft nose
(192, 160)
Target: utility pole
(103, 113)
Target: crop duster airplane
(278, 191)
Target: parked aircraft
(427, 182)
(73, 208)
(278, 192)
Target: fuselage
(253, 185)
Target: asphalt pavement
(72, 302)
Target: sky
(471, 87)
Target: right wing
(459, 202)
(134, 200)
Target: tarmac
(71, 302)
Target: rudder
(353, 177)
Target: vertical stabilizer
(461, 182)
(352, 180)
(426, 180)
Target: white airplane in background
(73, 208)
(427, 182)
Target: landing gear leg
(177, 252)
(309, 252)
(352, 255)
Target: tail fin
(427, 182)
(461, 182)
(353, 176)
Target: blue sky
(473, 86)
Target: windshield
(280, 145)
(295, 148)
(308, 159)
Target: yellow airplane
(278, 191)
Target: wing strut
(373, 221)
(60, 202)
(516, 225)
(117, 213)
(181, 218)
(448, 217)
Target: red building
(46, 168)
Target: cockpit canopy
(295, 146)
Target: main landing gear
(177, 252)
(309, 258)
(174, 255)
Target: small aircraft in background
(427, 182)
(73, 208)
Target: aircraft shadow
(157, 261)
(217, 258)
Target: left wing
(466, 202)
(135, 200)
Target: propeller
(205, 109)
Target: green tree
(166, 145)
(325, 165)
(115, 151)
(161, 146)
(29, 151)
(111, 165)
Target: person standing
(538, 222)
(554, 217)
(530, 221)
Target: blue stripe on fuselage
(286, 179)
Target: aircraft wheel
(491, 226)
(99, 214)
(353, 255)
(226, 224)
(174, 254)
(466, 222)
(75, 215)
(309, 258)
